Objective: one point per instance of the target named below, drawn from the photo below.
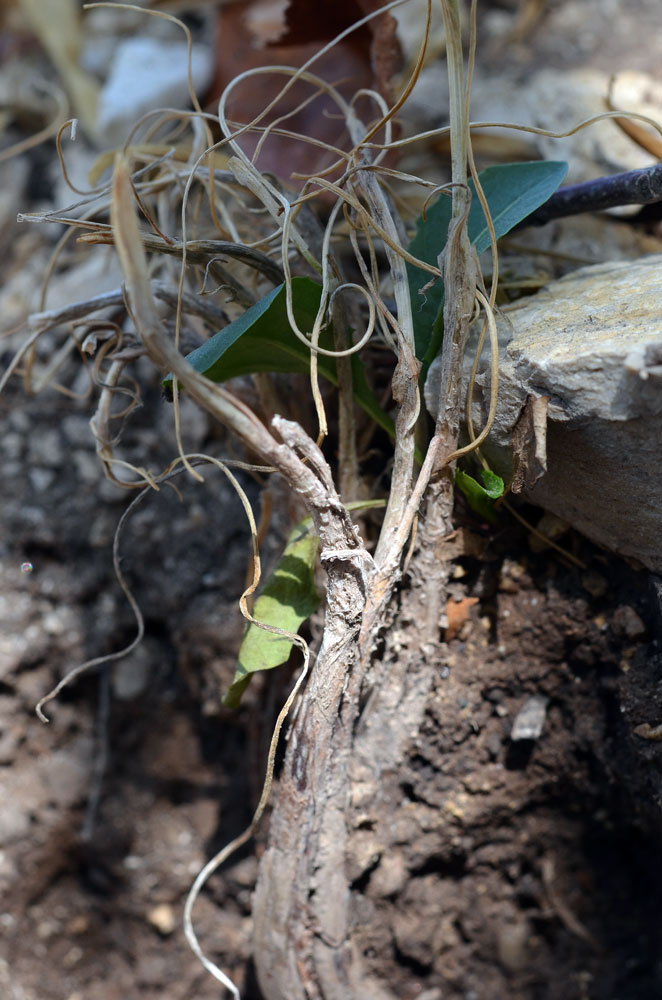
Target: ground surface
(488, 868)
(495, 867)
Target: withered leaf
(529, 444)
(321, 23)
(259, 33)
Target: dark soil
(528, 869)
(107, 814)
(485, 868)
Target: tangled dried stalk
(208, 213)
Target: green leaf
(493, 485)
(287, 599)
(513, 191)
(481, 498)
(261, 340)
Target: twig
(309, 475)
(458, 259)
(634, 187)
(405, 377)
(42, 321)
(347, 457)
(219, 402)
(459, 266)
(202, 251)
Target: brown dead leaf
(529, 444)
(268, 32)
(385, 51)
(457, 613)
(308, 23)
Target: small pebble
(72, 957)
(162, 918)
(594, 583)
(550, 527)
(512, 945)
(78, 924)
(41, 479)
(530, 719)
(626, 621)
(647, 732)
(158, 74)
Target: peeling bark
(358, 717)
(301, 906)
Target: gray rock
(147, 74)
(592, 343)
(530, 719)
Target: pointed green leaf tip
(513, 191)
(261, 340)
(481, 498)
(287, 599)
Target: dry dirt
(487, 868)
(492, 867)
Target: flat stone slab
(591, 343)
